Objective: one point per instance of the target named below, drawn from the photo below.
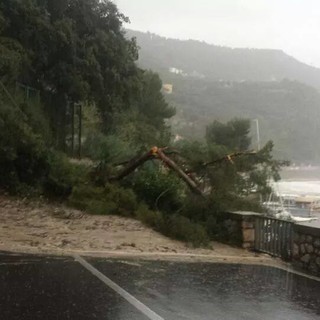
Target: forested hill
(219, 83)
(288, 112)
(221, 63)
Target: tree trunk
(172, 165)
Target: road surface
(39, 287)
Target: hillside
(200, 59)
(211, 82)
(288, 112)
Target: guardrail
(274, 236)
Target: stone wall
(237, 228)
(306, 248)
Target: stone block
(228, 224)
(247, 245)
(247, 225)
(309, 239)
(296, 237)
(305, 258)
(316, 243)
(295, 250)
(318, 261)
(248, 235)
(313, 268)
(302, 248)
(309, 248)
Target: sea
(301, 181)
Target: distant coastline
(301, 173)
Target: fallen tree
(162, 155)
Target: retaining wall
(238, 228)
(306, 248)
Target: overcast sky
(290, 25)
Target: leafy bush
(23, 155)
(107, 148)
(160, 190)
(63, 175)
(153, 219)
(111, 199)
(198, 208)
(182, 228)
(176, 226)
(210, 211)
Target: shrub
(176, 226)
(125, 199)
(62, 175)
(160, 190)
(107, 148)
(102, 207)
(198, 208)
(153, 219)
(23, 155)
(111, 199)
(182, 228)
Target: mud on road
(38, 227)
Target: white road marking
(123, 293)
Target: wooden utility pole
(76, 126)
(80, 130)
(72, 128)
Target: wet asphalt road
(34, 287)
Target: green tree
(144, 124)
(75, 51)
(233, 136)
(239, 177)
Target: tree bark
(172, 165)
(158, 153)
(134, 165)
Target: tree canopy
(54, 53)
(76, 50)
(236, 176)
